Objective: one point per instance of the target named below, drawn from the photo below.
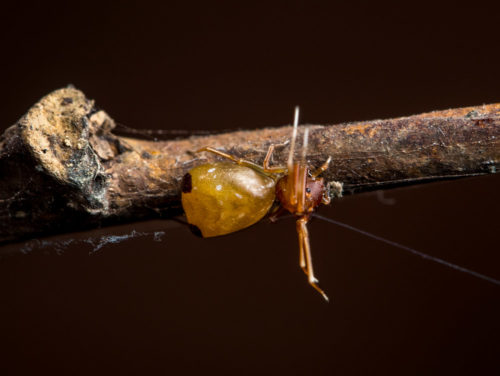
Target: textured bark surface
(62, 168)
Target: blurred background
(239, 304)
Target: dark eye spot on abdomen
(186, 185)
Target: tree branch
(63, 168)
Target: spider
(223, 197)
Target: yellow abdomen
(220, 198)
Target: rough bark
(62, 168)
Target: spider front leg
(305, 255)
(322, 168)
(325, 200)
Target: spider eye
(308, 190)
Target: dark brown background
(239, 304)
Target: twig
(63, 168)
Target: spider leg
(239, 161)
(267, 160)
(305, 256)
(302, 257)
(322, 168)
(269, 154)
(244, 162)
(276, 213)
